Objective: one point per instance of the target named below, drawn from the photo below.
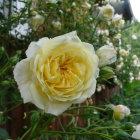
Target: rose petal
(34, 47)
(56, 107)
(22, 77)
(88, 93)
(89, 46)
(72, 36)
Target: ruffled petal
(22, 77)
(35, 47)
(56, 108)
(87, 93)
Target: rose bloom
(120, 111)
(106, 12)
(107, 55)
(57, 73)
(117, 20)
(134, 37)
(86, 5)
(57, 24)
(136, 134)
(36, 21)
(123, 52)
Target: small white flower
(99, 88)
(134, 37)
(136, 134)
(117, 20)
(117, 81)
(36, 21)
(131, 79)
(118, 36)
(134, 57)
(131, 74)
(56, 24)
(106, 32)
(135, 62)
(103, 32)
(1, 112)
(90, 18)
(129, 47)
(106, 12)
(118, 67)
(124, 71)
(123, 52)
(121, 59)
(86, 5)
(73, 4)
(61, 11)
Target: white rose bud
(73, 4)
(134, 57)
(120, 111)
(129, 47)
(134, 37)
(36, 21)
(99, 88)
(107, 55)
(123, 52)
(56, 24)
(131, 79)
(131, 74)
(106, 12)
(135, 62)
(118, 67)
(86, 5)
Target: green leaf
(35, 116)
(51, 5)
(122, 135)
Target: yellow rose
(57, 73)
(117, 20)
(106, 12)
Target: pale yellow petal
(22, 76)
(87, 93)
(35, 47)
(56, 108)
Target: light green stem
(86, 107)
